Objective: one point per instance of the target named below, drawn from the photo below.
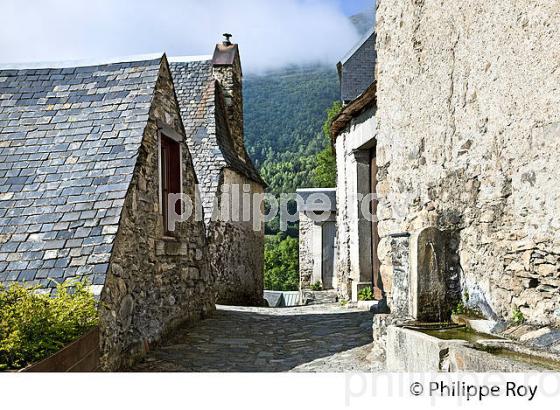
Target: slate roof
(69, 139)
(356, 70)
(204, 117)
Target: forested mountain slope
(284, 113)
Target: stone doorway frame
(366, 183)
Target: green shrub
(459, 309)
(281, 263)
(317, 286)
(466, 296)
(33, 325)
(517, 317)
(365, 294)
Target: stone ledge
(413, 351)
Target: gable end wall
(153, 284)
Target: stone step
(319, 297)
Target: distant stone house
(209, 90)
(353, 136)
(317, 238)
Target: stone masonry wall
(154, 283)
(468, 140)
(235, 248)
(230, 78)
(305, 250)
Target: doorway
(375, 263)
(328, 258)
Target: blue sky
(351, 7)
(271, 33)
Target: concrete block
(273, 298)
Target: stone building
(467, 138)
(353, 132)
(209, 90)
(317, 237)
(87, 153)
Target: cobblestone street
(317, 338)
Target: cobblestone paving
(315, 338)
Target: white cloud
(271, 33)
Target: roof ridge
(356, 46)
(90, 62)
(189, 59)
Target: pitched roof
(69, 139)
(365, 100)
(357, 46)
(204, 117)
(356, 71)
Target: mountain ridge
(284, 113)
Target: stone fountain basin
(460, 349)
(479, 325)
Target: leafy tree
(281, 263)
(325, 172)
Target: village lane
(316, 338)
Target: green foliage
(285, 176)
(325, 173)
(462, 308)
(317, 286)
(273, 227)
(459, 309)
(281, 263)
(33, 325)
(332, 113)
(365, 294)
(517, 317)
(343, 302)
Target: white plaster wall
(361, 132)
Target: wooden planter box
(81, 355)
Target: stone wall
(236, 249)
(230, 78)
(154, 283)
(398, 287)
(468, 140)
(305, 250)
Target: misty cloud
(271, 33)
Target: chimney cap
(227, 37)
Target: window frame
(170, 134)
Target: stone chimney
(227, 70)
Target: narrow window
(170, 177)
